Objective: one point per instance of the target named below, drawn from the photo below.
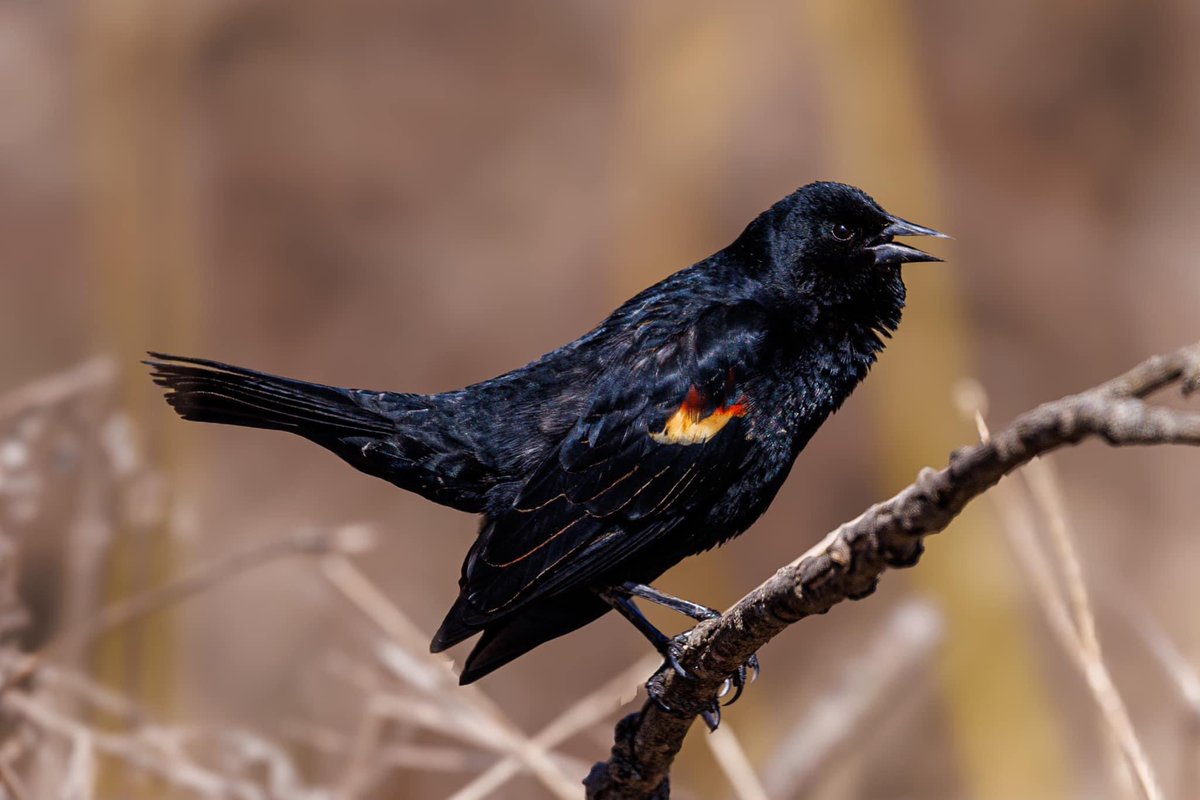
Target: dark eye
(842, 233)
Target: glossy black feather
(585, 467)
(432, 457)
(610, 483)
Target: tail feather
(212, 391)
(514, 636)
(454, 628)
(402, 438)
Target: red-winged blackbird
(665, 431)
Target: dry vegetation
(66, 449)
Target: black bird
(663, 432)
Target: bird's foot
(709, 711)
(673, 651)
(744, 675)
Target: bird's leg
(685, 607)
(698, 612)
(619, 600)
(619, 597)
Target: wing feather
(620, 479)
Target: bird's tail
(403, 438)
(210, 391)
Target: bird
(666, 430)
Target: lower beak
(889, 252)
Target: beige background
(420, 195)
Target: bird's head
(832, 242)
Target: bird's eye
(842, 233)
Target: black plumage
(665, 431)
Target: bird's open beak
(889, 252)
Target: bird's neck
(838, 346)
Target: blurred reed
(877, 128)
(133, 138)
(678, 107)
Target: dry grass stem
(589, 711)
(154, 751)
(1186, 683)
(478, 717)
(14, 787)
(732, 759)
(201, 579)
(1064, 599)
(841, 717)
(96, 374)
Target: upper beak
(889, 252)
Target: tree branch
(848, 563)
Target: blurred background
(420, 195)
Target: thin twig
(1069, 609)
(1183, 675)
(844, 714)
(848, 563)
(1075, 630)
(99, 373)
(139, 752)
(1043, 484)
(583, 714)
(364, 596)
(51, 677)
(80, 778)
(203, 578)
(14, 787)
(358, 773)
(1185, 680)
(732, 759)
(398, 755)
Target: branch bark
(848, 563)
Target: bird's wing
(663, 433)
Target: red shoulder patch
(689, 425)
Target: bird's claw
(654, 690)
(672, 650)
(711, 714)
(745, 674)
(755, 667)
(672, 661)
